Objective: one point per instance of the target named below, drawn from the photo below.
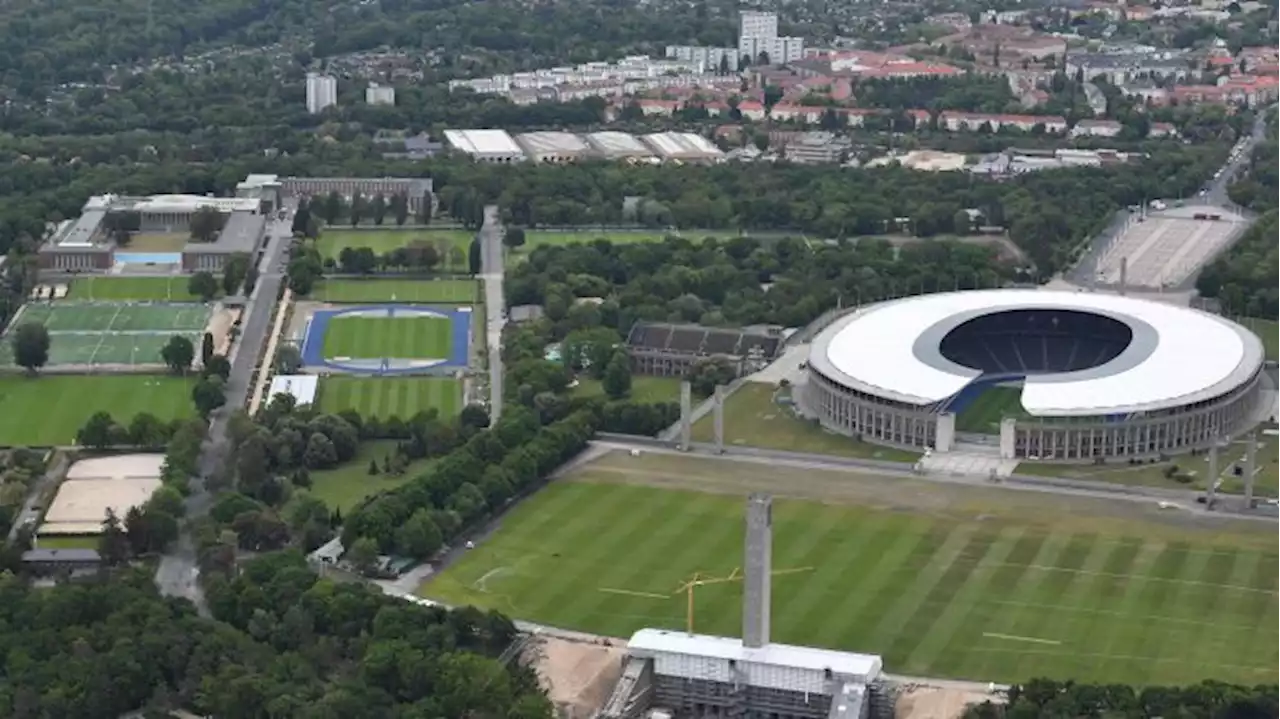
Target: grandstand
(670, 350)
(1166, 249)
(1024, 342)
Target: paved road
(178, 572)
(492, 269)
(30, 513)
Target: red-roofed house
(919, 117)
(658, 107)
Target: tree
(234, 272)
(288, 359)
(250, 280)
(474, 416)
(378, 208)
(209, 394)
(332, 208)
(301, 217)
(206, 223)
(96, 432)
(400, 208)
(357, 208)
(514, 237)
(420, 536)
(113, 544)
(30, 346)
(363, 554)
(320, 452)
(723, 67)
(206, 348)
(617, 376)
(203, 285)
(473, 256)
(426, 209)
(218, 366)
(178, 354)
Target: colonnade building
(1060, 376)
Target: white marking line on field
(481, 584)
(1121, 575)
(630, 593)
(1015, 638)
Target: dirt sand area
(220, 325)
(578, 676)
(937, 702)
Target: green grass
(115, 289)
(752, 419)
(385, 397)
(980, 594)
(445, 292)
(50, 410)
(393, 337)
(116, 317)
(346, 486)
(1268, 331)
(332, 241)
(538, 238)
(984, 413)
(68, 542)
(643, 389)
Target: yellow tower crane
(698, 580)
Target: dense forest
(1047, 699)
(282, 643)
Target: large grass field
(643, 389)
(115, 289)
(50, 410)
(753, 419)
(332, 241)
(394, 337)
(1268, 331)
(116, 317)
(443, 292)
(984, 413)
(384, 397)
(346, 486)
(942, 580)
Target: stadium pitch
(388, 339)
(943, 580)
(385, 397)
(985, 411)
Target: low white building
(683, 147)
(710, 58)
(322, 92)
(302, 387)
(1096, 128)
(493, 146)
(377, 94)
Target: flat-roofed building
(683, 147)
(494, 146)
(272, 189)
(242, 233)
(618, 146)
(553, 147)
(301, 387)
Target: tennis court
(109, 333)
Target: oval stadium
(1059, 376)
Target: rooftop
(682, 145)
(302, 387)
(482, 142)
(653, 641)
(552, 142)
(1177, 355)
(618, 144)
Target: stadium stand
(669, 350)
(1022, 342)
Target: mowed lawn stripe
(1182, 596)
(989, 656)
(930, 630)
(50, 410)
(1227, 638)
(954, 556)
(444, 292)
(1167, 567)
(870, 550)
(386, 397)
(389, 337)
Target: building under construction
(682, 674)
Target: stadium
(1093, 377)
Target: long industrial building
(1099, 376)
(496, 146)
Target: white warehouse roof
(552, 143)
(682, 146)
(1177, 355)
(301, 386)
(618, 144)
(777, 666)
(482, 142)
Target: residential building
(377, 94)
(708, 58)
(975, 121)
(1096, 128)
(1119, 68)
(817, 148)
(322, 92)
(759, 35)
(1162, 129)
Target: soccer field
(173, 289)
(984, 412)
(116, 317)
(49, 410)
(411, 337)
(445, 292)
(385, 397)
(942, 580)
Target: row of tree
(334, 208)
(1050, 699)
(282, 643)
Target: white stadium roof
(1188, 356)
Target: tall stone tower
(756, 600)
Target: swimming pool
(149, 258)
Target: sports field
(984, 413)
(49, 410)
(398, 337)
(384, 397)
(109, 333)
(115, 289)
(332, 241)
(942, 580)
(445, 292)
